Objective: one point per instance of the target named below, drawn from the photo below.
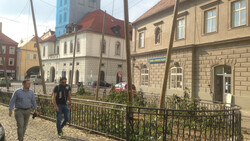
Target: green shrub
(121, 97)
(82, 91)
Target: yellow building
(27, 58)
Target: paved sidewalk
(246, 128)
(44, 130)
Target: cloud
(23, 27)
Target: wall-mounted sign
(157, 60)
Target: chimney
(0, 27)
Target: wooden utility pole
(100, 60)
(168, 59)
(75, 26)
(4, 65)
(127, 38)
(38, 48)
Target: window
(60, 18)
(27, 56)
(82, 2)
(176, 78)
(65, 47)
(71, 46)
(104, 46)
(118, 48)
(35, 45)
(141, 40)
(60, 2)
(78, 45)
(4, 49)
(1, 61)
(144, 76)
(92, 3)
(34, 56)
(44, 51)
(239, 13)
(11, 62)
(157, 35)
(65, 1)
(12, 50)
(180, 29)
(210, 21)
(65, 17)
(57, 49)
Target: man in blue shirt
(22, 99)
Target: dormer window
(116, 29)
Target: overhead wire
(22, 10)
(47, 3)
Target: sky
(16, 17)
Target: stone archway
(32, 71)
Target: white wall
(88, 57)
(94, 42)
(58, 64)
(82, 39)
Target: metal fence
(208, 121)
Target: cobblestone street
(44, 130)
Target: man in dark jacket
(62, 104)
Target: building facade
(57, 55)
(72, 11)
(28, 62)
(9, 47)
(211, 53)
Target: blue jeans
(63, 109)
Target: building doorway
(77, 77)
(63, 73)
(52, 74)
(70, 79)
(118, 79)
(222, 82)
(102, 76)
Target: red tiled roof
(6, 40)
(161, 5)
(51, 38)
(94, 21)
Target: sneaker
(60, 135)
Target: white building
(57, 54)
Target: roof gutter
(167, 8)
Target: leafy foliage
(82, 91)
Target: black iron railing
(207, 121)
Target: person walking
(22, 99)
(62, 103)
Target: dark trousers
(63, 109)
